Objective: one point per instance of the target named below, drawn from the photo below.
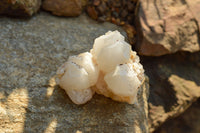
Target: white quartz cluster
(111, 68)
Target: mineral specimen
(76, 77)
(111, 69)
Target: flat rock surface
(174, 85)
(166, 27)
(30, 101)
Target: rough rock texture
(64, 7)
(174, 85)
(119, 12)
(31, 52)
(188, 122)
(168, 26)
(116, 11)
(19, 7)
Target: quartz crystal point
(76, 76)
(85, 60)
(112, 55)
(108, 39)
(123, 82)
(111, 69)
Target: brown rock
(31, 102)
(102, 8)
(63, 7)
(92, 12)
(96, 2)
(84, 3)
(168, 26)
(188, 122)
(124, 13)
(174, 85)
(22, 8)
(130, 30)
(194, 8)
(119, 12)
(123, 10)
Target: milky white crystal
(112, 55)
(123, 80)
(85, 60)
(80, 96)
(74, 77)
(111, 69)
(77, 75)
(104, 40)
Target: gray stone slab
(30, 101)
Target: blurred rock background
(166, 34)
